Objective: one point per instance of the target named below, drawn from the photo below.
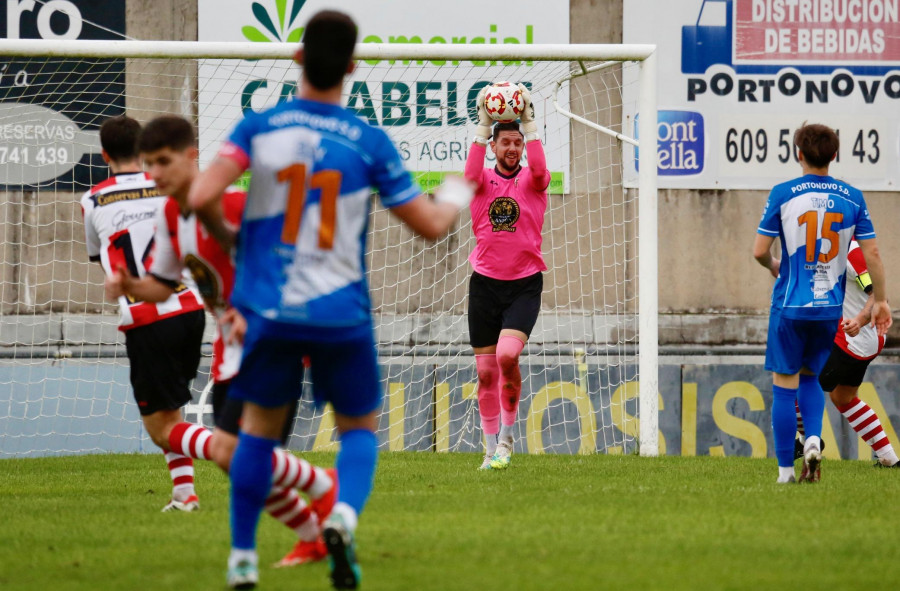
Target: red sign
(817, 31)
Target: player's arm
(474, 171)
(205, 198)
(236, 325)
(851, 326)
(148, 288)
(432, 219)
(881, 312)
(762, 253)
(537, 160)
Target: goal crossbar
(647, 124)
(364, 51)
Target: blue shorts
(794, 344)
(344, 371)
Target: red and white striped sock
(289, 471)
(181, 469)
(286, 505)
(799, 422)
(190, 440)
(866, 424)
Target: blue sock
(356, 467)
(784, 424)
(251, 481)
(811, 399)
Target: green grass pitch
(434, 522)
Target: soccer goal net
(589, 370)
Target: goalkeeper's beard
(503, 163)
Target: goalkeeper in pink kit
(507, 279)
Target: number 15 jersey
(815, 217)
(301, 251)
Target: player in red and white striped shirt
(856, 344)
(167, 147)
(162, 339)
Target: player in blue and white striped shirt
(301, 279)
(814, 216)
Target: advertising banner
(50, 109)
(736, 78)
(428, 108)
(567, 407)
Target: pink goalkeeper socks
(508, 350)
(488, 393)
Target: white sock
(785, 473)
(887, 455)
(811, 442)
(506, 434)
(490, 444)
(348, 514)
(238, 554)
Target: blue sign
(681, 145)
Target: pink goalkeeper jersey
(508, 215)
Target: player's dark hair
(819, 143)
(168, 131)
(506, 126)
(328, 43)
(119, 137)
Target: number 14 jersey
(119, 223)
(815, 217)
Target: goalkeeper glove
(456, 191)
(529, 125)
(483, 131)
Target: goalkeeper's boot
(243, 573)
(502, 456)
(486, 462)
(323, 505)
(345, 571)
(192, 503)
(304, 552)
(812, 464)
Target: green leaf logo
(274, 27)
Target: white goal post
(595, 349)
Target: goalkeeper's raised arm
(484, 134)
(507, 280)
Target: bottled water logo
(681, 146)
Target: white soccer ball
(503, 101)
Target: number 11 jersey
(301, 251)
(815, 217)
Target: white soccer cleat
(192, 503)
(786, 479)
(812, 464)
(244, 574)
(486, 463)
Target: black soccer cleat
(345, 571)
(878, 464)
